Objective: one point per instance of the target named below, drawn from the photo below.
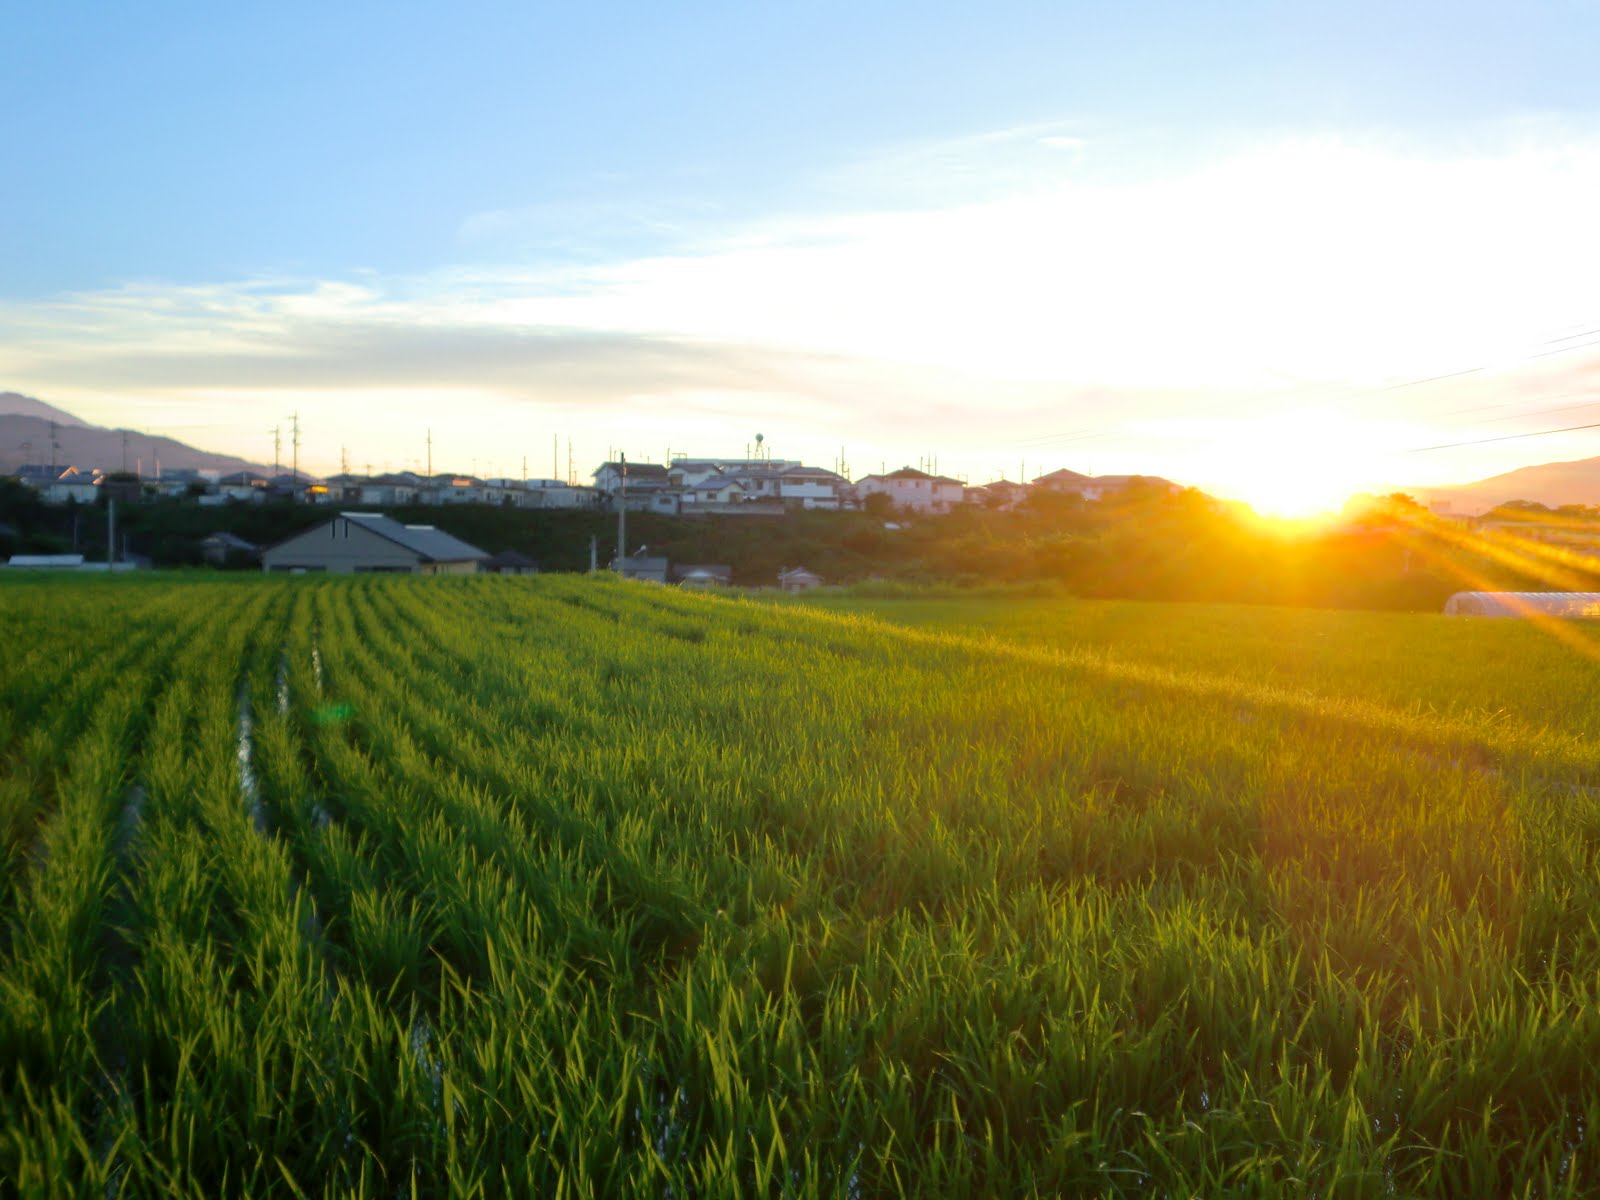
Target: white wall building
(914, 489)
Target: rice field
(570, 887)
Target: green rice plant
(583, 887)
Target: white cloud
(1297, 274)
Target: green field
(568, 887)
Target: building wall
(340, 547)
(926, 495)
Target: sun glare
(1295, 465)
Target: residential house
(556, 493)
(387, 491)
(814, 487)
(798, 579)
(1095, 488)
(74, 487)
(913, 489)
(639, 477)
(1001, 493)
(244, 486)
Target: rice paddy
(570, 887)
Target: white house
(74, 485)
(914, 489)
(1095, 488)
(798, 579)
(814, 487)
(641, 477)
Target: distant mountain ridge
(25, 437)
(1552, 484)
(17, 405)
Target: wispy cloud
(1301, 272)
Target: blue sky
(846, 222)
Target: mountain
(15, 404)
(25, 437)
(1553, 484)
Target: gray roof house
(357, 541)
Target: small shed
(47, 562)
(798, 579)
(509, 562)
(639, 566)
(1523, 604)
(222, 547)
(699, 575)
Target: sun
(1294, 465)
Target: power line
(1509, 437)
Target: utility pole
(277, 449)
(296, 469)
(622, 514)
(344, 460)
(430, 454)
(570, 475)
(54, 446)
(524, 468)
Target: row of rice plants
(63, 935)
(944, 876)
(55, 672)
(569, 886)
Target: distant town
(685, 486)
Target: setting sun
(1298, 464)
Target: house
(1001, 493)
(358, 541)
(697, 575)
(509, 562)
(556, 493)
(914, 489)
(38, 475)
(1095, 488)
(1062, 481)
(798, 579)
(641, 566)
(243, 485)
(74, 487)
(689, 472)
(814, 487)
(717, 489)
(221, 547)
(382, 490)
(639, 476)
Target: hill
(25, 437)
(15, 404)
(1552, 484)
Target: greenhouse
(1523, 604)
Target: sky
(1279, 251)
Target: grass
(562, 886)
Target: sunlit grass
(570, 887)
